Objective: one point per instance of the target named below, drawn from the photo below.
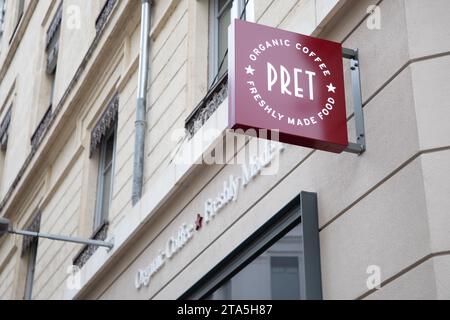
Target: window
(102, 151)
(105, 178)
(29, 253)
(274, 275)
(103, 145)
(220, 18)
(44, 111)
(31, 265)
(52, 50)
(279, 261)
(221, 13)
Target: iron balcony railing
(206, 108)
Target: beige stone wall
(7, 280)
(59, 179)
(387, 207)
(60, 216)
(384, 208)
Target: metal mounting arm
(359, 146)
(98, 243)
(5, 228)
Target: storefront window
(273, 275)
(279, 261)
(285, 278)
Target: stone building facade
(68, 86)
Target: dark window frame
(215, 13)
(31, 268)
(301, 210)
(100, 217)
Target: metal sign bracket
(358, 147)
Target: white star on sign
(250, 70)
(331, 88)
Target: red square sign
(280, 80)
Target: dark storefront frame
(302, 210)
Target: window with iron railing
(206, 108)
(102, 149)
(221, 12)
(105, 178)
(51, 63)
(103, 142)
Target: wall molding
(159, 24)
